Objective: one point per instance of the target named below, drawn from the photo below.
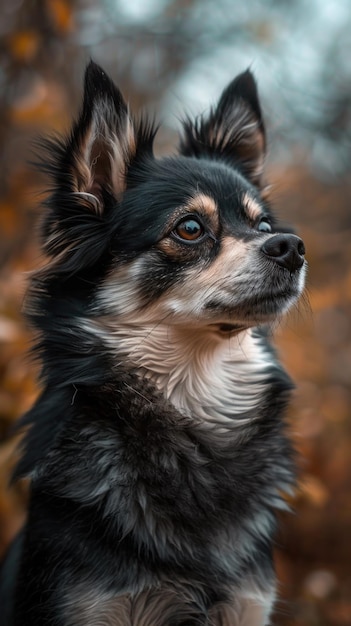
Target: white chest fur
(199, 371)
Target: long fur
(156, 450)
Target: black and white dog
(156, 451)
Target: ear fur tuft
(103, 144)
(233, 131)
(89, 170)
(103, 141)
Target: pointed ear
(90, 170)
(104, 142)
(233, 131)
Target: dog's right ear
(103, 144)
(90, 170)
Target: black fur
(141, 511)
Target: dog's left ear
(104, 143)
(233, 130)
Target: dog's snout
(286, 250)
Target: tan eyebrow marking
(204, 202)
(252, 207)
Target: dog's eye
(189, 229)
(264, 225)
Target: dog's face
(186, 240)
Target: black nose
(286, 250)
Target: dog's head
(187, 240)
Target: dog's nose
(286, 250)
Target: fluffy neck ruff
(201, 372)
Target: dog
(157, 449)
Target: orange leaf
(8, 219)
(24, 45)
(314, 490)
(61, 15)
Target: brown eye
(189, 229)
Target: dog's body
(156, 451)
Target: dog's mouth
(251, 311)
(229, 329)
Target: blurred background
(171, 56)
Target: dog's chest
(162, 605)
(205, 377)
